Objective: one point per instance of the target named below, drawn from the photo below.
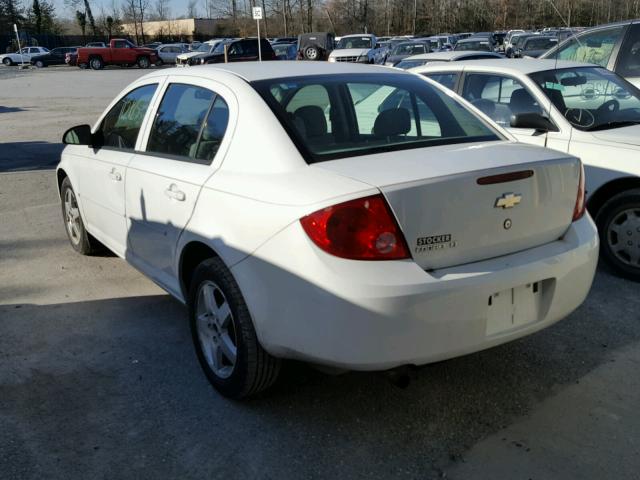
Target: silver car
(169, 52)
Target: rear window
(331, 116)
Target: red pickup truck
(119, 52)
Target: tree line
(291, 17)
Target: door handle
(115, 175)
(174, 193)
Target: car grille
(347, 59)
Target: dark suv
(244, 50)
(615, 46)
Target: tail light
(361, 229)
(581, 204)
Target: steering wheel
(580, 117)
(610, 106)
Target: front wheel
(7, 61)
(143, 62)
(223, 334)
(619, 227)
(79, 238)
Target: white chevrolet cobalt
(341, 214)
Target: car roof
(253, 71)
(450, 55)
(358, 35)
(519, 65)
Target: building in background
(183, 27)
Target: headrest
(396, 121)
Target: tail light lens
(362, 229)
(581, 204)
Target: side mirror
(532, 120)
(79, 135)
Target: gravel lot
(98, 378)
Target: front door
(102, 171)
(164, 182)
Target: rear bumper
(311, 306)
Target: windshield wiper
(616, 124)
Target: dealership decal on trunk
(435, 242)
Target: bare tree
(161, 9)
(192, 9)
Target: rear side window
(121, 125)
(447, 80)
(330, 116)
(593, 47)
(190, 123)
(629, 59)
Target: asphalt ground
(98, 377)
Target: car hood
(184, 56)
(626, 135)
(350, 52)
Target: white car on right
(577, 108)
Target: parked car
(516, 41)
(356, 49)
(285, 51)
(71, 58)
(193, 57)
(404, 50)
(23, 56)
(474, 44)
(426, 229)
(119, 52)
(535, 46)
(453, 56)
(168, 53)
(441, 43)
(576, 108)
(315, 46)
(56, 56)
(242, 50)
(615, 46)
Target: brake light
(361, 229)
(581, 204)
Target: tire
(96, 63)
(39, 64)
(79, 238)
(311, 53)
(253, 369)
(618, 224)
(159, 62)
(143, 62)
(7, 61)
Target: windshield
(409, 49)
(355, 42)
(481, 45)
(591, 98)
(203, 48)
(543, 43)
(336, 116)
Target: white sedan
(346, 215)
(577, 108)
(23, 56)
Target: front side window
(121, 125)
(331, 117)
(594, 47)
(591, 98)
(499, 97)
(190, 123)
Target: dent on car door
(101, 169)
(163, 183)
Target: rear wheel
(96, 63)
(619, 227)
(143, 62)
(79, 238)
(39, 64)
(311, 53)
(223, 334)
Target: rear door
(183, 147)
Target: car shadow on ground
(23, 156)
(114, 385)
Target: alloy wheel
(216, 329)
(72, 216)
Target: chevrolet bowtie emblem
(508, 200)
